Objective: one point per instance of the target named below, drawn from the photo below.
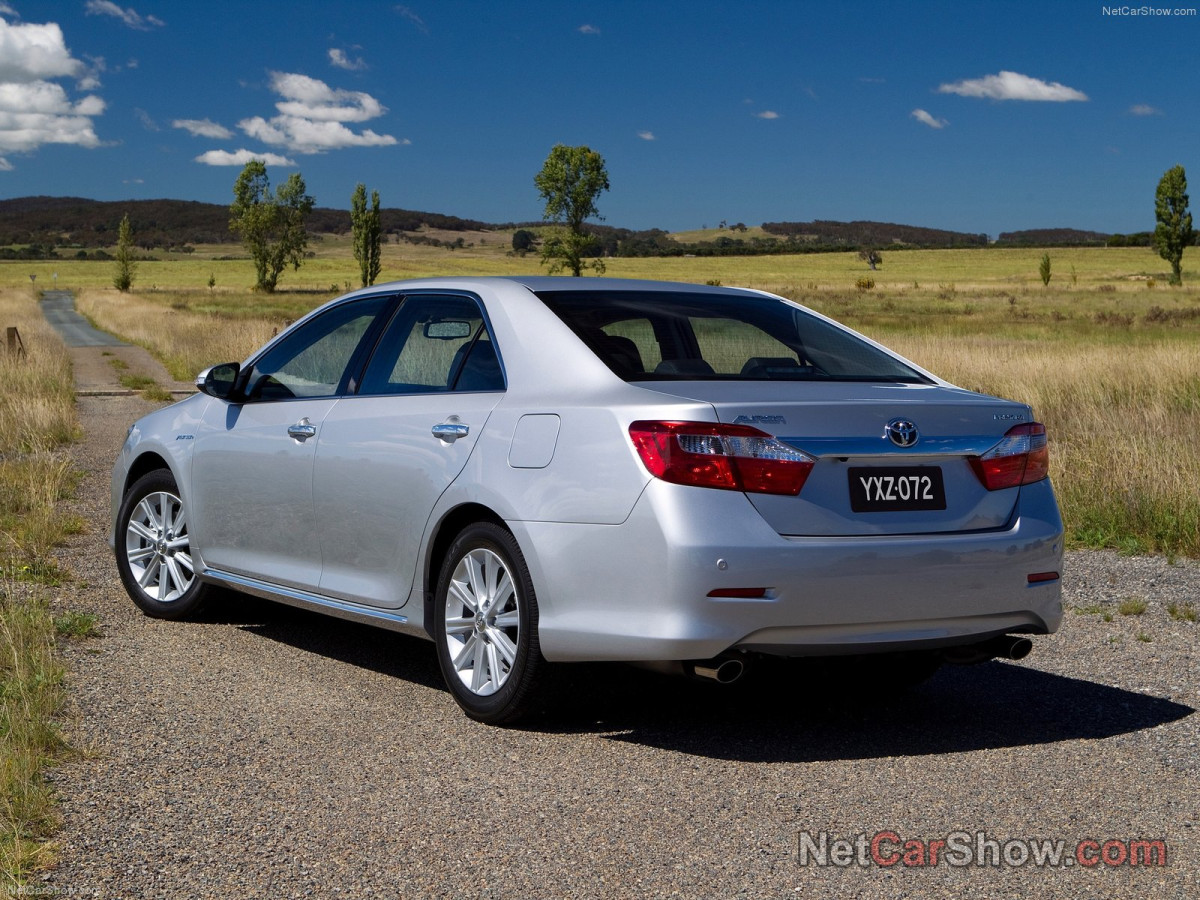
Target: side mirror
(219, 381)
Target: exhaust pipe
(1004, 646)
(723, 669)
(1015, 648)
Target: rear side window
(680, 336)
(434, 343)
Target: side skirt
(315, 602)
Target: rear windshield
(679, 336)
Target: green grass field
(1126, 268)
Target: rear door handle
(450, 431)
(302, 430)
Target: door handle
(302, 430)
(451, 431)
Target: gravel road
(265, 752)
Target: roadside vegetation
(1107, 354)
(37, 417)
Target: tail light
(729, 457)
(1021, 457)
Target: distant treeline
(872, 234)
(76, 223)
(1070, 237)
(1053, 237)
(64, 227)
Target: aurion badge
(902, 432)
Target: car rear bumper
(642, 590)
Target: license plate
(896, 489)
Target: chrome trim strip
(966, 445)
(315, 602)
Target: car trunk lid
(891, 458)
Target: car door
(253, 460)
(388, 453)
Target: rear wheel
(485, 626)
(154, 553)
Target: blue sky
(977, 117)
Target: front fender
(165, 437)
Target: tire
(154, 549)
(485, 626)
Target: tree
(271, 227)
(1174, 229)
(1044, 269)
(872, 258)
(523, 240)
(125, 267)
(570, 181)
(365, 223)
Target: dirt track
(264, 752)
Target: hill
(75, 222)
(40, 227)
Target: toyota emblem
(902, 432)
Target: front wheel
(154, 551)
(485, 625)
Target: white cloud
(407, 13)
(129, 16)
(647, 135)
(33, 109)
(309, 98)
(203, 128)
(927, 119)
(241, 157)
(5, 165)
(40, 113)
(312, 115)
(1013, 86)
(588, 29)
(1142, 109)
(767, 114)
(338, 59)
(308, 136)
(35, 53)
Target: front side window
(680, 336)
(434, 343)
(313, 360)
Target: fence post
(16, 347)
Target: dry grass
(37, 415)
(31, 678)
(37, 405)
(1122, 422)
(185, 340)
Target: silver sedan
(532, 471)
